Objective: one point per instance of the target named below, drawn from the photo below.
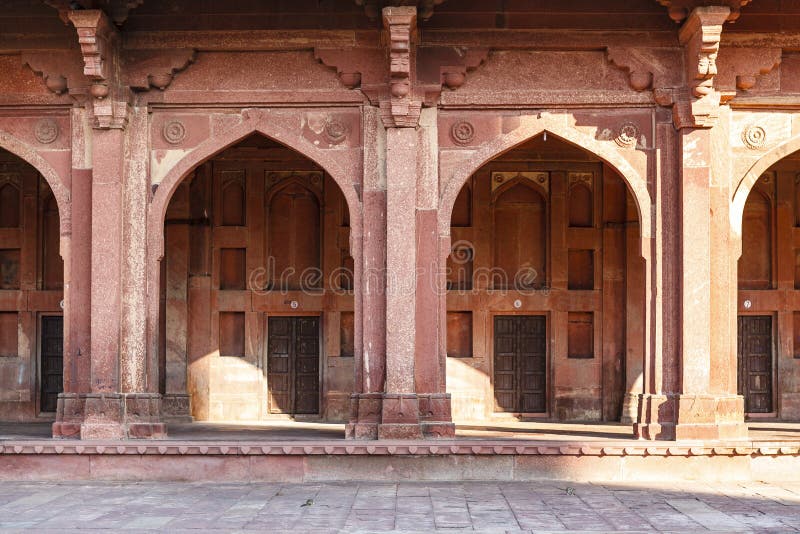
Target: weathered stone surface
(640, 175)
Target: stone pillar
(655, 417)
(708, 406)
(370, 277)
(430, 360)
(415, 403)
(121, 404)
(400, 410)
(691, 393)
(76, 251)
(400, 376)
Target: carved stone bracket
(60, 70)
(680, 9)
(96, 36)
(638, 63)
(99, 41)
(740, 68)
(700, 36)
(413, 77)
(697, 103)
(355, 66)
(451, 65)
(400, 24)
(144, 70)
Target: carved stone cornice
(680, 9)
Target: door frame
(775, 332)
(38, 364)
(264, 362)
(548, 370)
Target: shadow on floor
(575, 431)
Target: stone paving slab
(490, 507)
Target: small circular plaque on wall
(517, 304)
(747, 304)
(293, 304)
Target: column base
(400, 416)
(630, 409)
(691, 417)
(176, 408)
(69, 415)
(122, 416)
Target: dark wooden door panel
(293, 365)
(520, 363)
(279, 364)
(306, 395)
(755, 362)
(52, 357)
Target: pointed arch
(260, 122)
(747, 181)
(529, 128)
(29, 154)
(343, 165)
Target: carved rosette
(335, 130)
(174, 132)
(462, 132)
(46, 131)
(628, 135)
(754, 137)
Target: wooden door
(755, 362)
(52, 358)
(520, 363)
(293, 365)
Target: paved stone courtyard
(548, 506)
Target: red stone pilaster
(370, 365)
(77, 306)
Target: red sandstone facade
(400, 216)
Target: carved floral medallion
(46, 131)
(462, 132)
(628, 135)
(754, 137)
(174, 132)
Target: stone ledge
(404, 448)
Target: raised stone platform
(302, 452)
